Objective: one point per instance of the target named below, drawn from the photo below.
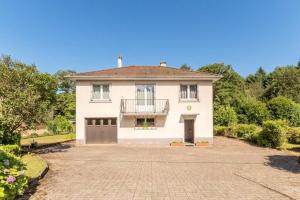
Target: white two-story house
(144, 104)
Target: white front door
(145, 98)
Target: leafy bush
(46, 133)
(229, 132)
(219, 130)
(12, 178)
(285, 109)
(254, 112)
(14, 149)
(60, 125)
(6, 137)
(293, 135)
(34, 135)
(273, 133)
(246, 131)
(224, 116)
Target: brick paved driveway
(230, 169)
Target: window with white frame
(188, 92)
(101, 92)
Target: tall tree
(186, 67)
(64, 84)
(26, 96)
(230, 89)
(256, 84)
(65, 97)
(283, 81)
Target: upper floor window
(101, 92)
(188, 92)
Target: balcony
(144, 106)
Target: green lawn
(48, 139)
(34, 165)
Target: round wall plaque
(189, 107)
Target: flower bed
(202, 144)
(177, 144)
(13, 181)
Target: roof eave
(91, 78)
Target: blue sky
(87, 35)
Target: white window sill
(145, 128)
(100, 101)
(188, 100)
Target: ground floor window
(145, 122)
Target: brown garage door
(101, 130)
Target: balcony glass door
(145, 98)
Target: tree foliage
(186, 67)
(283, 81)
(65, 85)
(60, 125)
(230, 89)
(65, 97)
(256, 84)
(224, 116)
(253, 111)
(65, 105)
(26, 96)
(285, 109)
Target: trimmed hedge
(273, 133)
(248, 132)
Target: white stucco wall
(171, 126)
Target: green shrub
(12, 178)
(34, 135)
(60, 125)
(229, 132)
(293, 135)
(225, 131)
(219, 130)
(253, 136)
(46, 133)
(224, 116)
(253, 112)
(9, 137)
(246, 131)
(273, 133)
(285, 109)
(13, 148)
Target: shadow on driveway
(284, 162)
(50, 148)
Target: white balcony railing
(144, 106)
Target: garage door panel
(101, 130)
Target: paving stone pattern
(231, 169)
